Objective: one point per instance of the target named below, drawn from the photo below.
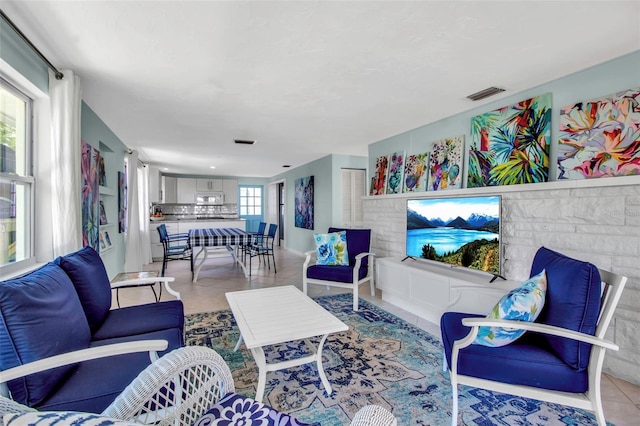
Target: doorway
(281, 212)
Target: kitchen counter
(196, 219)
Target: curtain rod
(58, 74)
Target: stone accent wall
(595, 221)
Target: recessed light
(212, 167)
(244, 141)
(165, 168)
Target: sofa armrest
(151, 346)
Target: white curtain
(137, 245)
(66, 214)
(143, 204)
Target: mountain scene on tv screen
(471, 242)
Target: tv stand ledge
(428, 290)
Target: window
(353, 188)
(16, 177)
(250, 206)
(251, 201)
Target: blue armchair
(559, 359)
(351, 276)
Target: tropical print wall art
(396, 171)
(379, 179)
(600, 138)
(445, 163)
(90, 195)
(415, 173)
(122, 201)
(510, 145)
(304, 202)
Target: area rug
(381, 360)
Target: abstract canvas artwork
(122, 202)
(396, 171)
(90, 195)
(415, 172)
(379, 179)
(600, 138)
(445, 163)
(304, 202)
(510, 145)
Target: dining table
(216, 242)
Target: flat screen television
(457, 231)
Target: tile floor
(621, 399)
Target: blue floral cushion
(521, 304)
(332, 248)
(234, 409)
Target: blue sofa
(65, 306)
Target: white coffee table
(275, 315)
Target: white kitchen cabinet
(428, 290)
(169, 189)
(155, 190)
(187, 190)
(230, 188)
(210, 185)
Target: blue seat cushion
(343, 274)
(94, 384)
(358, 241)
(140, 319)
(40, 316)
(572, 302)
(89, 276)
(234, 409)
(529, 361)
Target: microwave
(211, 198)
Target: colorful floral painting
(90, 195)
(379, 179)
(122, 201)
(600, 138)
(415, 173)
(510, 145)
(396, 171)
(445, 164)
(304, 202)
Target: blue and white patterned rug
(381, 360)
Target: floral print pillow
(237, 410)
(332, 248)
(521, 304)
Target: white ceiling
(179, 80)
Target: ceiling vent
(244, 142)
(485, 93)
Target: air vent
(485, 93)
(244, 141)
(286, 165)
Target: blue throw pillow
(521, 304)
(41, 316)
(89, 277)
(234, 409)
(572, 302)
(331, 248)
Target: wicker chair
(180, 387)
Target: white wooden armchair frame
(590, 400)
(354, 285)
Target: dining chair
(175, 246)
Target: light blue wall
(96, 133)
(20, 56)
(601, 80)
(327, 197)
